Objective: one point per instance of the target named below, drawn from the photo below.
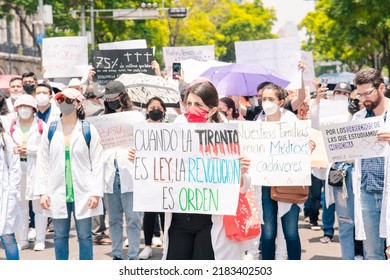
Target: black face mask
(259, 101)
(29, 88)
(155, 115)
(353, 106)
(113, 105)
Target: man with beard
(372, 187)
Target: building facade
(17, 51)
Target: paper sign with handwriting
(187, 168)
(279, 151)
(353, 140)
(116, 130)
(65, 56)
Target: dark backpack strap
(52, 129)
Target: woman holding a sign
(273, 99)
(202, 236)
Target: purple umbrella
(241, 79)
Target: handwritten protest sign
(281, 55)
(116, 130)
(187, 168)
(353, 140)
(279, 151)
(65, 56)
(177, 54)
(110, 64)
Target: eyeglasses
(67, 100)
(367, 93)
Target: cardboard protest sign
(110, 64)
(279, 152)
(65, 56)
(116, 130)
(354, 139)
(187, 168)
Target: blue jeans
(117, 204)
(373, 246)
(10, 246)
(269, 228)
(346, 217)
(84, 236)
(328, 218)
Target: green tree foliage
(221, 23)
(356, 32)
(209, 22)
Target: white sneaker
(39, 246)
(126, 242)
(23, 245)
(32, 234)
(146, 253)
(156, 241)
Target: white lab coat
(10, 176)
(33, 142)
(54, 113)
(384, 229)
(87, 172)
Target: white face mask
(42, 99)
(24, 112)
(340, 97)
(269, 107)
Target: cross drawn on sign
(137, 54)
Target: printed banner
(110, 64)
(65, 57)
(353, 140)
(187, 168)
(279, 152)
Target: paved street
(312, 248)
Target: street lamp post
(92, 27)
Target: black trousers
(149, 222)
(190, 237)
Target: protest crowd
(92, 155)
